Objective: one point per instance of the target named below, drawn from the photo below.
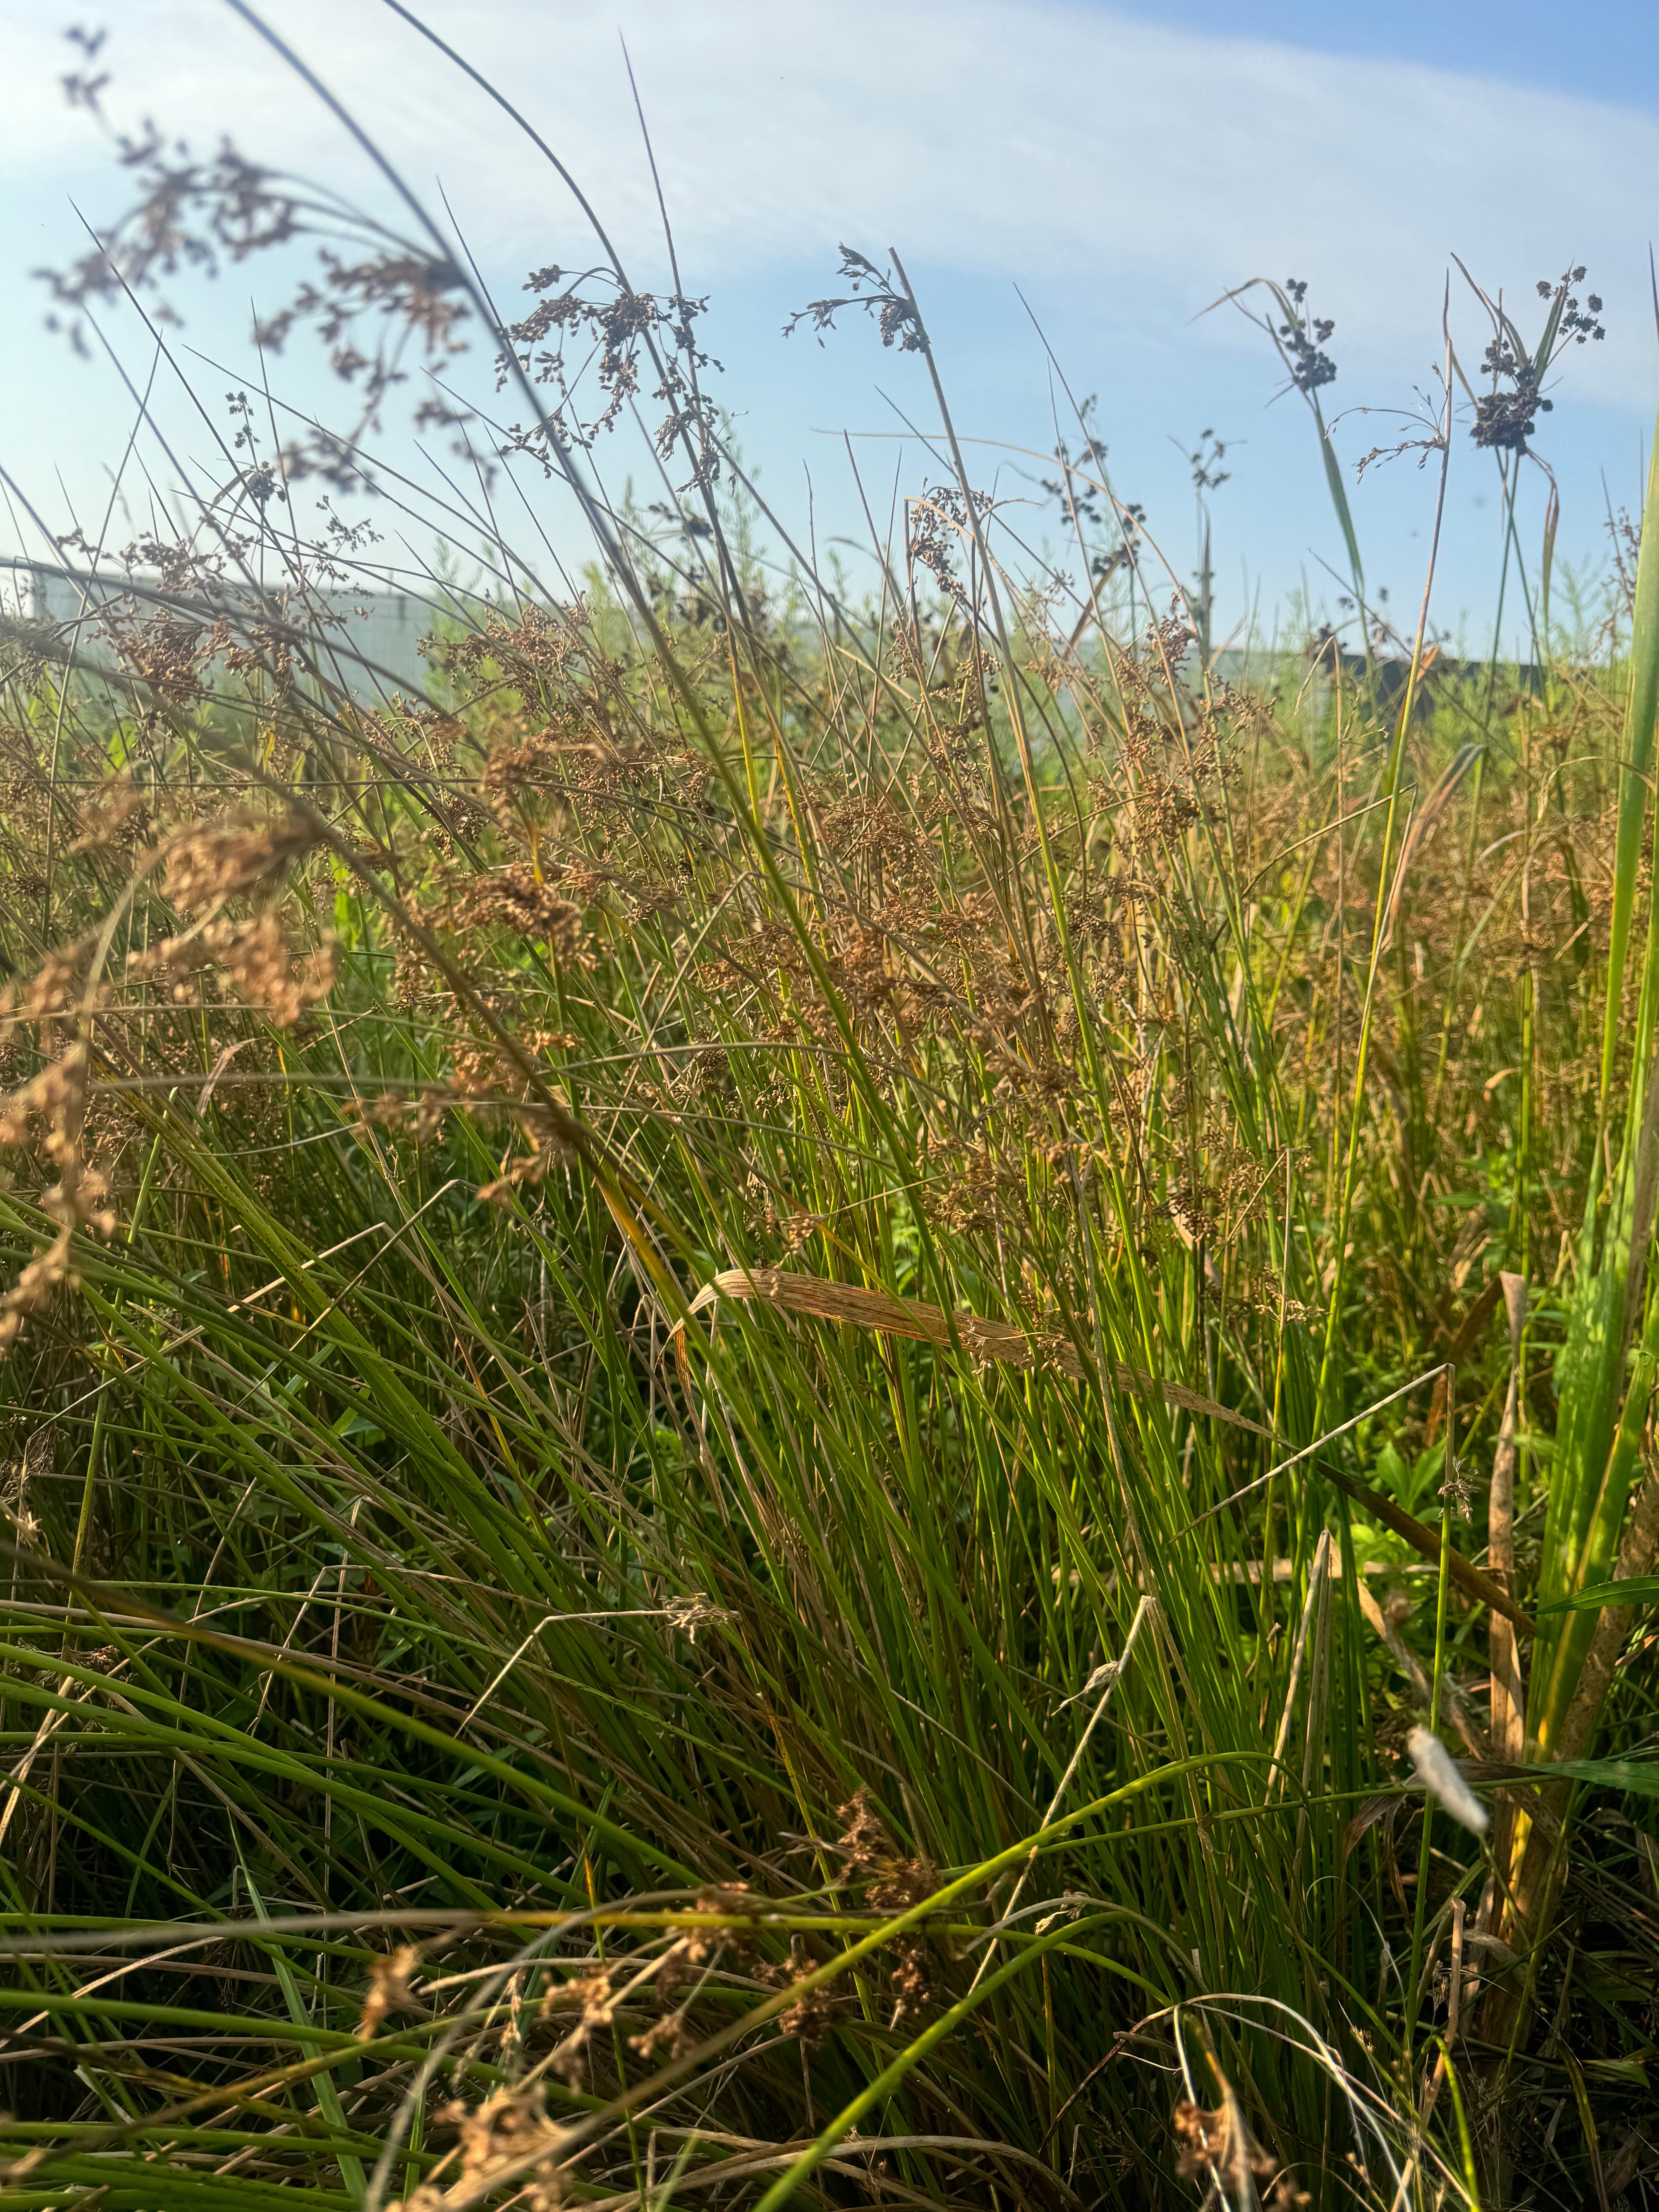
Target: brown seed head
(207, 864)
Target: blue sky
(1122, 165)
(1603, 49)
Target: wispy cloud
(990, 136)
(1125, 174)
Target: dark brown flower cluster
(209, 862)
(1303, 338)
(255, 959)
(620, 328)
(516, 897)
(877, 293)
(1217, 2150)
(892, 1883)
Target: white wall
(371, 653)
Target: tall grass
(750, 1357)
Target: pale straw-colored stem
(1112, 1672)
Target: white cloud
(998, 137)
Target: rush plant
(745, 1358)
